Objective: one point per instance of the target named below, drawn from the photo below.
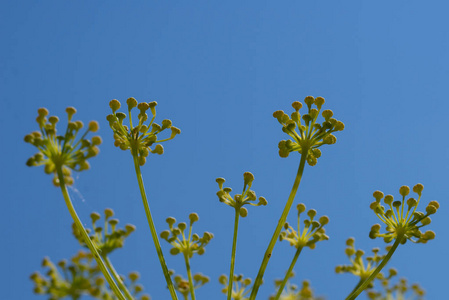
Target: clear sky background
(218, 70)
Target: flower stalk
(157, 245)
(86, 237)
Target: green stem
(117, 278)
(357, 286)
(234, 246)
(86, 237)
(373, 275)
(279, 226)
(153, 229)
(189, 274)
(287, 275)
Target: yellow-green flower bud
(42, 112)
(108, 213)
(418, 188)
(170, 221)
(324, 220)
(319, 101)
(297, 105)
(248, 178)
(93, 126)
(131, 103)
(301, 208)
(404, 190)
(309, 100)
(243, 212)
(133, 276)
(95, 217)
(174, 251)
(114, 105)
(193, 217)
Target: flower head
(141, 139)
(401, 217)
(307, 137)
(78, 277)
(239, 200)
(62, 152)
(106, 240)
(240, 286)
(398, 291)
(182, 284)
(293, 292)
(360, 266)
(185, 243)
(312, 232)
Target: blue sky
(218, 70)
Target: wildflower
(293, 292)
(308, 137)
(187, 244)
(239, 200)
(398, 291)
(139, 139)
(361, 268)
(312, 232)
(401, 221)
(105, 240)
(77, 277)
(182, 284)
(240, 286)
(60, 153)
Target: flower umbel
(293, 292)
(312, 232)
(105, 240)
(307, 137)
(61, 151)
(401, 220)
(399, 291)
(239, 200)
(78, 277)
(240, 287)
(141, 137)
(187, 244)
(182, 284)
(359, 267)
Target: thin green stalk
(86, 237)
(153, 229)
(189, 274)
(287, 275)
(357, 286)
(234, 246)
(117, 278)
(373, 275)
(279, 226)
